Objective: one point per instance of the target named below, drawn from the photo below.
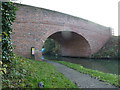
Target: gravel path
(80, 79)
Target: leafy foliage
(8, 16)
(110, 50)
(51, 47)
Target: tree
(51, 47)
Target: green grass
(28, 73)
(106, 77)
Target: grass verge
(28, 73)
(106, 77)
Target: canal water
(104, 65)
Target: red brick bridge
(78, 37)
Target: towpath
(80, 79)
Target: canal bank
(80, 79)
(104, 65)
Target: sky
(103, 12)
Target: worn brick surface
(34, 25)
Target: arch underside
(72, 44)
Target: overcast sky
(104, 12)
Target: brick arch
(72, 44)
(33, 25)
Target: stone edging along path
(80, 79)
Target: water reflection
(107, 66)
